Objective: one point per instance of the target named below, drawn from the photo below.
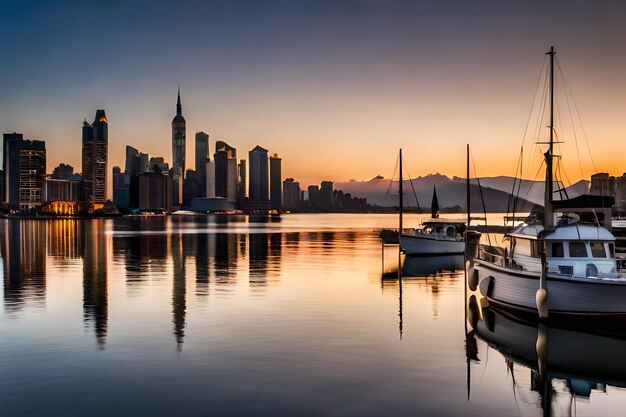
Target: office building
(291, 194)
(241, 183)
(202, 157)
(6, 139)
(178, 152)
(326, 201)
(95, 159)
(276, 191)
(25, 171)
(154, 191)
(258, 191)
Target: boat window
(612, 250)
(577, 250)
(597, 250)
(536, 248)
(557, 250)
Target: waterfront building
(602, 184)
(210, 179)
(314, 197)
(136, 162)
(326, 201)
(225, 158)
(95, 159)
(6, 139)
(258, 191)
(241, 193)
(62, 191)
(25, 171)
(178, 152)
(121, 189)
(276, 193)
(154, 191)
(193, 187)
(291, 194)
(62, 196)
(202, 157)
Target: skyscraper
(241, 193)
(202, 157)
(291, 194)
(95, 158)
(225, 171)
(25, 172)
(6, 139)
(178, 151)
(276, 194)
(259, 187)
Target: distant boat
(436, 236)
(556, 264)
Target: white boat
(436, 237)
(554, 260)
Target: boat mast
(548, 216)
(467, 187)
(400, 195)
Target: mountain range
(451, 192)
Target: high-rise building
(25, 173)
(154, 191)
(241, 193)
(291, 194)
(225, 158)
(210, 179)
(7, 138)
(121, 188)
(95, 158)
(178, 152)
(276, 192)
(202, 157)
(326, 200)
(258, 191)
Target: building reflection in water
(95, 297)
(179, 290)
(64, 239)
(145, 254)
(23, 248)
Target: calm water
(267, 316)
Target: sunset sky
(334, 87)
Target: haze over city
(334, 88)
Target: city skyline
(320, 82)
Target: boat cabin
(574, 250)
(444, 229)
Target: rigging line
(582, 127)
(392, 177)
(569, 108)
(571, 95)
(538, 127)
(480, 188)
(519, 186)
(512, 195)
(533, 180)
(545, 58)
(413, 188)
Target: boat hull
(566, 296)
(423, 245)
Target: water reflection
(552, 368)
(95, 289)
(23, 246)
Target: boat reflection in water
(415, 266)
(565, 365)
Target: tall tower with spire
(178, 151)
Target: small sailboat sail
(434, 205)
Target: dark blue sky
(325, 84)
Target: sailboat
(437, 236)
(555, 264)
